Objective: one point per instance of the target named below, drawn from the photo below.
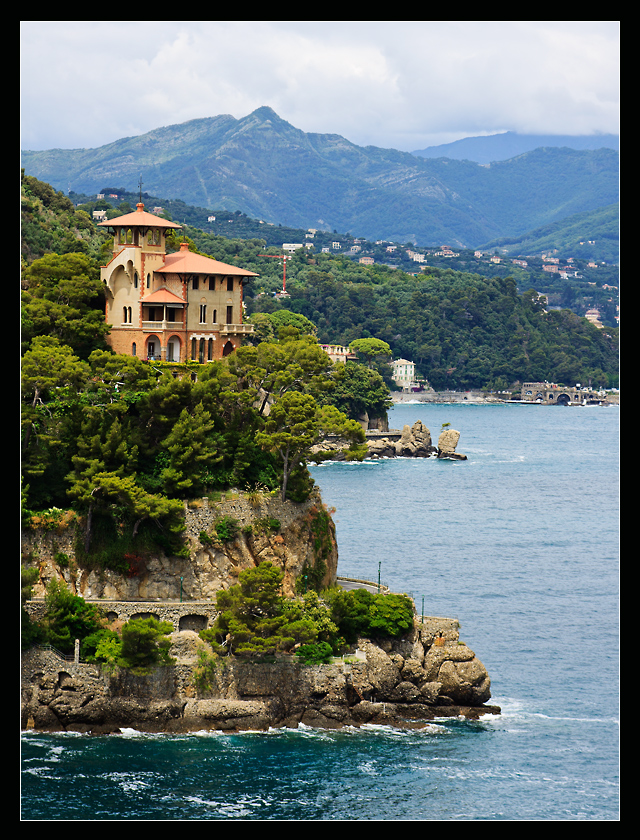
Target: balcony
(236, 329)
(159, 326)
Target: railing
(235, 329)
(153, 326)
(68, 657)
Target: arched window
(210, 350)
(193, 350)
(124, 314)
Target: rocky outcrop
(447, 443)
(428, 674)
(212, 564)
(415, 442)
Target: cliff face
(428, 674)
(293, 537)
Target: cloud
(400, 84)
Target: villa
(169, 307)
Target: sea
(520, 543)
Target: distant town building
(593, 315)
(338, 353)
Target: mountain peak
(266, 114)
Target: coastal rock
(427, 674)
(381, 448)
(447, 443)
(415, 441)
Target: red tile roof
(139, 219)
(162, 296)
(185, 262)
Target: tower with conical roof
(169, 307)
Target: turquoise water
(520, 543)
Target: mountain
(269, 169)
(587, 236)
(495, 147)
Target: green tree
(296, 423)
(145, 644)
(192, 453)
(272, 369)
(253, 619)
(359, 612)
(358, 390)
(63, 297)
(94, 488)
(67, 617)
(50, 370)
(371, 349)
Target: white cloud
(402, 84)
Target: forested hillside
(124, 442)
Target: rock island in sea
(425, 674)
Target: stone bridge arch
(193, 622)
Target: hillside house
(404, 373)
(169, 307)
(338, 353)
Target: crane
(284, 258)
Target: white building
(404, 373)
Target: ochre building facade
(169, 307)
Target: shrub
(227, 528)
(316, 653)
(62, 559)
(204, 538)
(266, 523)
(145, 644)
(67, 617)
(359, 612)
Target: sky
(401, 84)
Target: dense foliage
(462, 331)
(256, 620)
(140, 645)
(124, 443)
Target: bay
(520, 544)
